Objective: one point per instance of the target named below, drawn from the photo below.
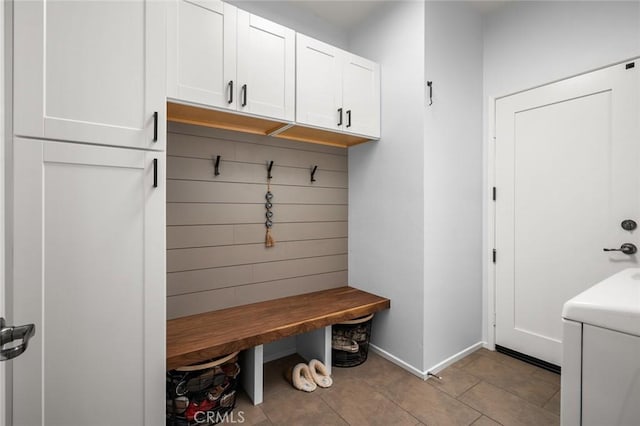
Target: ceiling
(346, 14)
(342, 14)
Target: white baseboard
(489, 346)
(279, 349)
(280, 354)
(424, 375)
(397, 361)
(447, 362)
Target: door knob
(626, 248)
(629, 225)
(11, 334)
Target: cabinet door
(266, 67)
(91, 71)
(201, 55)
(89, 272)
(610, 376)
(318, 83)
(361, 96)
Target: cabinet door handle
(230, 86)
(155, 172)
(155, 126)
(348, 118)
(244, 95)
(340, 115)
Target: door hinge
(494, 193)
(494, 255)
(630, 65)
(494, 318)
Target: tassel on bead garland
(269, 242)
(268, 239)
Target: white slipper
(300, 377)
(320, 374)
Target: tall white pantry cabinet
(88, 202)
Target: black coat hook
(217, 166)
(313, 173)
(269, 170)
(430, 86)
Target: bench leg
(316, 344)
(252, 374)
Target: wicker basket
(350, 342)
(202, 394)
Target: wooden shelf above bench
(197, 338)
(231, 120)
(320, 136)
(189, 114)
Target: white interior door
(567, 174)
(89, 273)
(266, 67)
(201, 53)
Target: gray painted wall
(216, 256)
(527, 44)
(415, 196)
(386, 207)
(530, 43)
(453, 180)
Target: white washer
(601, 354)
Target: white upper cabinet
(227, 58)
(336, 90)
(91, 71)
(361, 95)
(201, 55)
(319, 83)
(266, 67)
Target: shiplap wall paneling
(216, 256)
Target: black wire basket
(350, 342)
(202, 394)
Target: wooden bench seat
(197, 338)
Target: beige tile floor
(484, 388)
